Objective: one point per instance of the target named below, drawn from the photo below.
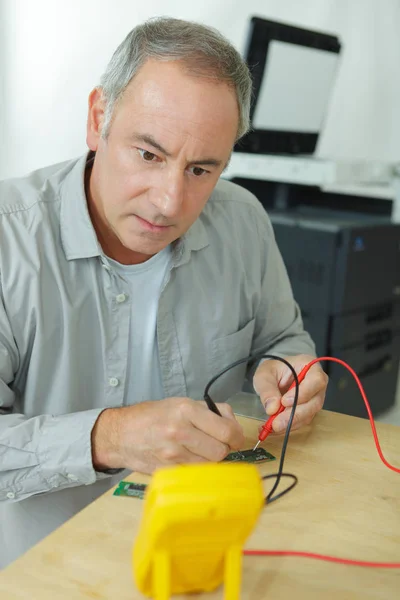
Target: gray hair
(203, 50)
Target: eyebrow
(148, 139)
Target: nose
(170, 194)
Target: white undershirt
(143, 378)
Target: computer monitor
(293, 72)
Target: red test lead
(267, 427)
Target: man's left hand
(272, 380)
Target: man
(133, 275)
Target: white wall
(52, 53)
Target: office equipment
(293, 70)
(345, 273)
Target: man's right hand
(153, 434)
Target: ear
(95, 118)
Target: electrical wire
(270, 498)
(334, 559)
(278, 476)
(325, 557)
(364, 397)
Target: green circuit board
(131, 489)
(250, 456)
(137, 490)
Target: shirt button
(10, 495)
(120, 298)
(113, 381)
(72, 477)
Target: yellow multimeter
(195, 522)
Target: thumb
(266, 386)
(271, 404)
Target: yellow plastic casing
(195, 522)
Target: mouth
(148, 226)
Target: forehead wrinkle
(165, 113)
(170, 130)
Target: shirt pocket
(224, 351)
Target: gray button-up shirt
(64, 332)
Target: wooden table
(346, 504)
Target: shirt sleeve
(279, 326)
(42, 453)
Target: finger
(226, 411)
(204, 447)
(224, 429)
(313, 384)
(176, 453)
(267, 387)
(303, 415)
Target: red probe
(267, 427)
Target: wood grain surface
(347, 503)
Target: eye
(198, 171)
(146, 155)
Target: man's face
(170, 138)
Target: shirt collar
(194, 239)
(78, 235)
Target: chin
(148, 249)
